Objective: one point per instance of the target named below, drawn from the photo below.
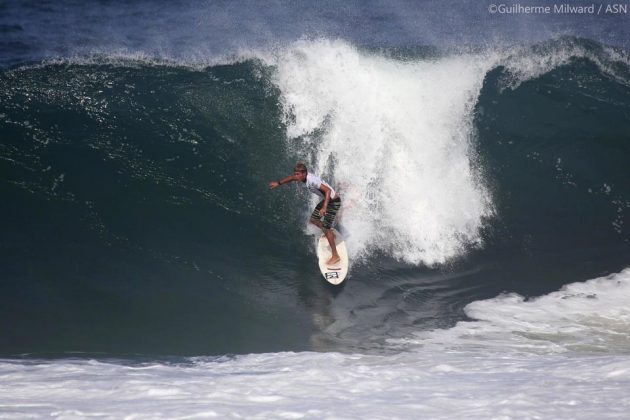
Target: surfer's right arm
(290, 178)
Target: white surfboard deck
(335, 273)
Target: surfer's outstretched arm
(286, 180)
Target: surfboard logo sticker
(332, 275)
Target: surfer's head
(300, 171)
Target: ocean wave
(120, 172)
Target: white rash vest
(313, 182)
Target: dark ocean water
(135, 216)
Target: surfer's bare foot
(333, 260)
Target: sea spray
(398, 136)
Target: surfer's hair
(300, 167)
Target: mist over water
(398, 138)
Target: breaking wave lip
(138, 59)
(523, 63)
(520, 62)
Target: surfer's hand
(273, 184)
(322, 211)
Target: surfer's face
(301, 176)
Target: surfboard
(335, 273)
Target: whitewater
(563, 355)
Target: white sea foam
(401, 138)
(315, 385)
(593, 316)
(506, 364)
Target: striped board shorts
(331, 212)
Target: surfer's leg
(331, 214)
(329, 219)
(315, 217)
(316, 222)
(331, 241)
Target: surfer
(327, 207)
